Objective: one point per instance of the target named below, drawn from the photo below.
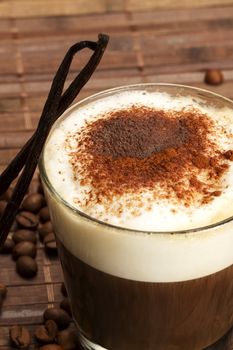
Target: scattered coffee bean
(69, 339)
(58, 315)
(44, 214)
(35, 187)
(3, 290)
(27, 220)
(51, 248)
(24, 248)
(33, 202)
(52, 347)
(24, 235)
(50, 243)
(2, 206)
(213, 77)
(46, 333)
(26, 266)
(14, 226)
(63, 289)
(20, 337)
(7, 246)
(6, 195)
(65, 305)
(50, 237)
(45, 229)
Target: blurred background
(177, 41)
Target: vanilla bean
(55, 105)
(16, 165)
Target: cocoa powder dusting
(167, 153)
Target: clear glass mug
(142, 290)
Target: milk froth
(190, 255)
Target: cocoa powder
(169, 153)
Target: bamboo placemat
(151, 41)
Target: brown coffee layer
(121, 314)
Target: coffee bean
(24, 248)
(45, 229)
(51, 248)
(69, 339)
(35, 187)
(63, 289)
(20, 337)
(44, 214)
(14, 226)
(52, 347)
(7, 246)
(65, 305)
(3, 290)
(24, 235)
(7, 195)
(214, 77)
(58, 315)
(27, 220)
(50, 237)
(46, 333)
(26, 266)
(50, 243)
(33, 202)
(3, 205)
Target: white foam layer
(155, 257)
(162, 216)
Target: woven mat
(151, 41)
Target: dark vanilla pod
(56, 103)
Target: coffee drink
(139, 185)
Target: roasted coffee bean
(26, 266)
(14, 226)
(7, 246)
(58, 315)
(52, 347)
(46, 333)
(3, 205)
(24, 235)
(35, 186)
(214, 77)
(50, 243)
(45, 229)
(50, 237)
(63, 289)
(24, 248)
(44, 214)
(69, 339)
(27, 220)
(65, 305)
(7, 195)
(33, 202)
(3, 290)
(20, 337)
(51, 248)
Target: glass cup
(132, 289)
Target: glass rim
(74, 210)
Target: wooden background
(151, 41)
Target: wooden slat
(61, 25)
(38, 8)
(134, 5)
